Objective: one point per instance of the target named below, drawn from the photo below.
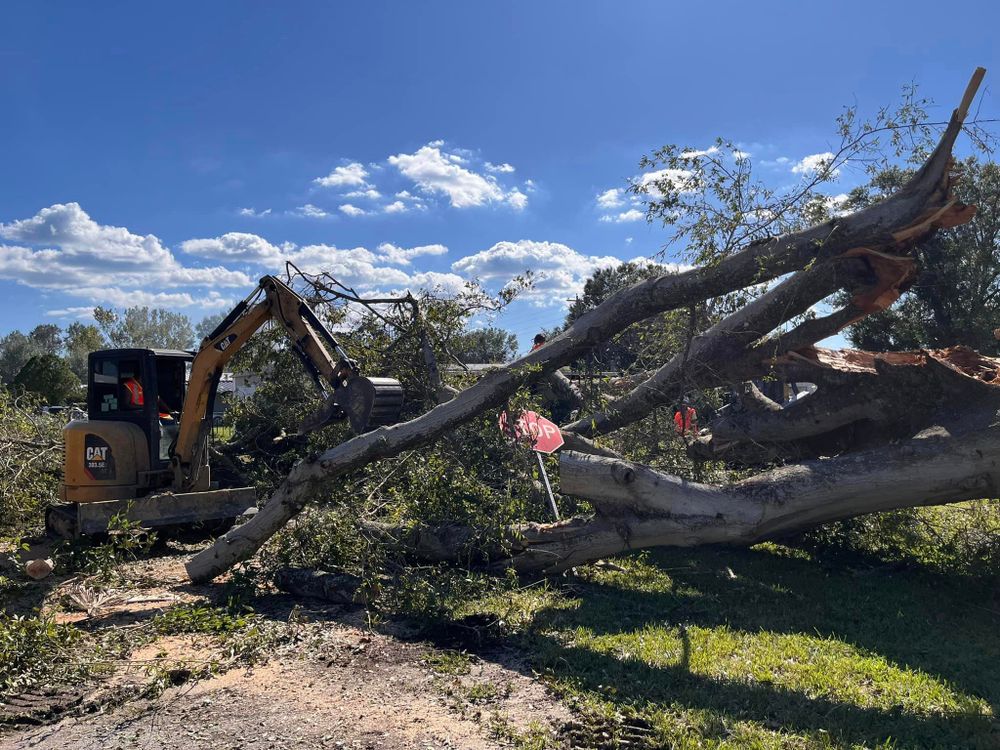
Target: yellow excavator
(142, 453)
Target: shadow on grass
(633, 684)
(938, 626)
(912, 621)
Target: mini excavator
(142, 453)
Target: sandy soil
(341, 685)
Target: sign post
(544, 436)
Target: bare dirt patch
(331, 681)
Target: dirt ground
(338, 683)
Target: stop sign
(543, 434)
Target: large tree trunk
(866, 253)
(637, 507)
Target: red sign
(543, 434)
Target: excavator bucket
(372, 402)
(366, 402)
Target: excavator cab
(122, 449)
(144, 387)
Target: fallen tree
(868, 254)
(956, 459)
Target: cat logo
(97, 453)
(224, 344)
(98, 461)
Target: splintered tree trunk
(868, 254)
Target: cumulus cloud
(310, 211)
(61, 248)
(78, 313)
(352, 210)
(368, 194)
(253, 213)
(675, 179)
(503, 168)
(696, 153)
(633, 214)
(349, 175)
(236, 246)
(438, 173)
(815, 163)
(559, 271)
(357, 267)
(396, 207)
(611, 198)
(400, 256)
(517, 200)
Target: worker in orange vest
(685, 419)
(136, 398)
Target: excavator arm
(363, 401)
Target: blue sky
(171, 158)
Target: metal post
(548, 487)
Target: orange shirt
(684, 423)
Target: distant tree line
(52, 361)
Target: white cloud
(814, 163)
(396, 207)
(642, 260)
(350, 175)
(356, 267)
(676, 179)
(741, 155)
(835, 204)
(62, 249)
(503, 168)
(350, 210)
(435, 172)
(440, 283)
(369, 194)
(234, 245)
(402, 256)
(252, 212)
(517, 200)
(310, 211)
(559, 271)
(68, 227)
(695, 153)
(78, 313)
(611, 198)
(633, 214)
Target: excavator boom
(365, 402)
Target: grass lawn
(766, 648)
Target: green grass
(769, 648)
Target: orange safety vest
(135, 397)
(685, 422)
